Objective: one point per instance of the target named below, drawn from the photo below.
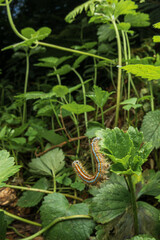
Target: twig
(58, 145)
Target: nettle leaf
(130, 103)
(55, 206)
(49, 163)
(150, 183)
(99, 96)
(148, 216)
(124, 149)
(111, 201)
(124, 7)
(62, 70)
(156, 25)
(7, 167)
(151, 128)
(31, 199)
(52, 62)
(60, 90)
(138, 19)
(3, 226)
(105, 33)
(79, 60)
(145, 71)
(142, 237)
(156, 38)
(124, 26)
(77, 108)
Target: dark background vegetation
(50, 13)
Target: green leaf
(151, 128)
(80, 186)
(124, 149)
(52, 62)
(78, 61)
(93, 127)
(124, 7)
(28, 32)
(156, 25)
(51, 136)
(60, 90)
(99, 96)
(3, 132)
(36, 95)
(7, 168)
(148, 216)
(31, 199)
(129, 101)
(150, 184)
(112, 200)
(138, 19)
(145, 71)
(89, 5)
(142, 237)
(19, 140)
(3, 226)
(105, 33)
(62, 70)
(77, 108)
(43, 33)
(49, 163)
(55, 206)
(124, 26)
(156, 38)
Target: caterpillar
(101, 165)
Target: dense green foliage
(70, 72)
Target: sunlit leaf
(145, 71)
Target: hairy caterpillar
(101, 165)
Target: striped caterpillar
(101, 165)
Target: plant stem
(48, 44)
(95, 72)
(152, 97)
(84, 94)
(41, 190)
(60, 219)
(119, 70)
(102, 116)
(25, 89)
(134, 205)
(20, 218)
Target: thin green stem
(95, 72)
(24, 117)
(119, 70)
(152, 96)
(41, 190)
(20, 218)
(74, 51)
(48, 44)
(102, 116)
(12, 23)
(134, 204)
(60, 219)
(54, 181)
(84, 94)
(16, 231)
